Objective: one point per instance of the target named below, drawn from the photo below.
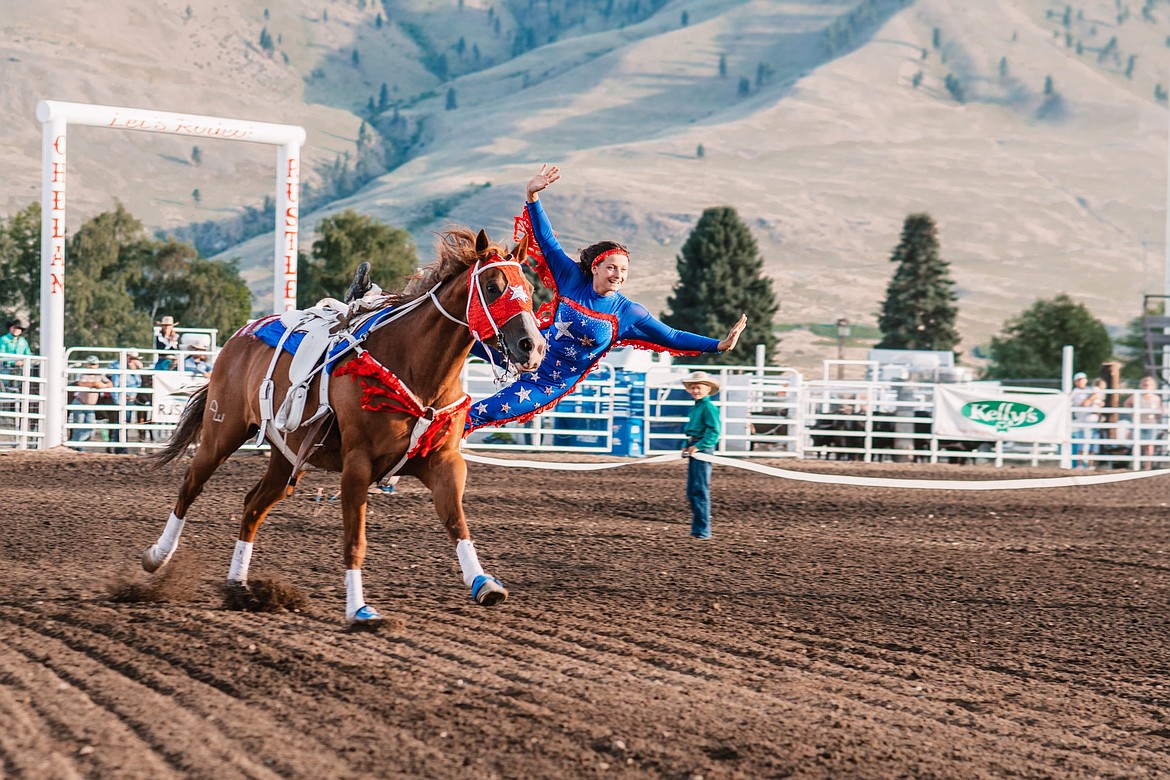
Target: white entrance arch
(55, 116)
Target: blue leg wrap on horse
(367, 613)
(478, 583)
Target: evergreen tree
(745, 87)
(196, 155)
(355, 58)
(378, 21)
(720, 278)
(722, 66)
(919, 310)
(266, 40)
(1031, 343)
(383, 98)
(345, 240)
(451, 103)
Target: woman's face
(610, 274)
(1147, 383)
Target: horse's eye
(493, 288)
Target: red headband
(607, 253)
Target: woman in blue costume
(591, 317)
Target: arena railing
(766, 411)
(22, 401)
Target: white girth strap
(420, 427)
(267, 388)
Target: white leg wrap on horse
(169, 539)
(354, 598)
(240, 560)
(468, 561)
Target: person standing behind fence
(702, 431)
(13, 343)
(1148, 418)
(166, 339)
(127, 381)
(93, 383)
(1080, 399)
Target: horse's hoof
(151, 561)
(487, 590)
(366, 617)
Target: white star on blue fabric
(481, 409)
(562, 328)
(523, 395)
(571, 351)
(556, 375)
(518, 293)
(506, 408)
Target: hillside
(837, 138)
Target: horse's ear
(521, 249)
(481, 242)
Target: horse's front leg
(356, 476)
(445, 475)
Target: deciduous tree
(345, 240)
(1031, 343)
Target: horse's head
(499, 303)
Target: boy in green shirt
(702, 430)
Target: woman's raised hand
(733, 335)
(548, 174)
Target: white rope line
(554, 466)
(836, 479)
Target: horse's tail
(188, 430)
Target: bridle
(483, 320)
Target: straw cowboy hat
(701, 378)
(167, 320)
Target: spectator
(196, 362)
(13, 343)
(126, 382)
(702, 429)
(1148, 418)
(94, 383)
(1083, 415)
(166, 339)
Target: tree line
(120, 280)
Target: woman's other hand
(548, 174)
(733, 335)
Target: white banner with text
(1001, 415)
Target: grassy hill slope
(846, 126)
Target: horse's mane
(454, 253)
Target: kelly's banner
(1001, 416)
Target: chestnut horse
(404, 376)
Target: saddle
(317, 337)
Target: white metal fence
(766, 412)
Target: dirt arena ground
(825, 632)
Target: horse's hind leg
(211, 453)
(272, 487)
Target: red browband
(606, 254)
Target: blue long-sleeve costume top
(586, 326)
